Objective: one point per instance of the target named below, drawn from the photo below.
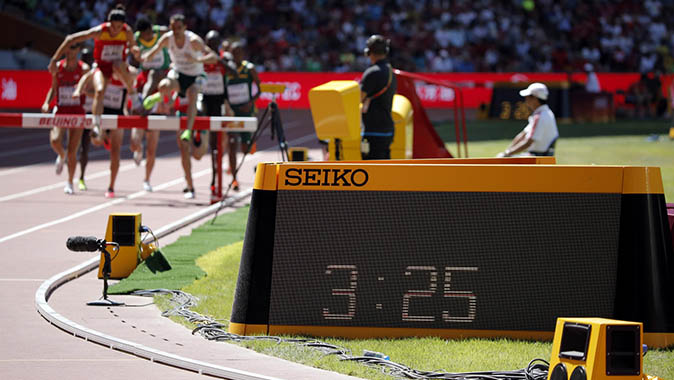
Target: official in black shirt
(377, 87)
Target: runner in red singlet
(111, 40)
(64, 80)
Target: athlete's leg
(116, 136)
(192, 93)
(100, 84)
(152, 139)
(184, 147)
(56, 141)
(74, 137)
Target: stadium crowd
(432, 35)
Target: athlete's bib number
(238, 93)
(156, 62)
(113, 97)
(66, 96)
(112, 53)
(215, 84)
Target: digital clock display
(401, 249)
(458, 261)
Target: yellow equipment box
(335, 108)
(403, 136)
(123, 229)
(596, 348)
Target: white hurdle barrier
(151, 122)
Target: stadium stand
(432, 35)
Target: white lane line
(100, 207)
(66, 360)
(103, 173)
(94, 153)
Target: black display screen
(124, 230)
(478, 260)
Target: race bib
(238, 93)
(113, 97)
(112, 53)
(215, 84)
(156, 62)
(66, 96)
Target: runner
(152, 72)
(111, 40)
(68, 72)
(241, 97)
(188, 54)
(88, 58)
(114, 103)
(213, 102)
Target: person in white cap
(592, 83)
(539, 136)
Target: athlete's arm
(135, 50)
(50, 94)
(208, 55)
(162, 43)
(73, 39)
(256, 79)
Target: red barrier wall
(27, 89)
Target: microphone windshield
(83, 243)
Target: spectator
(621, 35)
(592, 83)
(538, 138)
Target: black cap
(117, 15)
(376, 44)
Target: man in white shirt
(540, 134)
(188, 54)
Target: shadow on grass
(483, 130)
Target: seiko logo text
(326, 177)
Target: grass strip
(227, 229)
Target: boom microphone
(84, 243)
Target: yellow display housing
(124, 229)
(596, 349)
(403, 136)
(334, 108)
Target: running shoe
(60, 161)
(186, 135)
(147, 187)
(96, 131)
(197, 138)
(138, 156)
(188, 193)
(151, 100)
(235, 185)
(110, 194)
(68, 189)
(82, 186)
(106, 144)
(253, 148)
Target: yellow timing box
(334, 108)
(403, 137)
(123, 229)
(596, 348)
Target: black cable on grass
(211, 329)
